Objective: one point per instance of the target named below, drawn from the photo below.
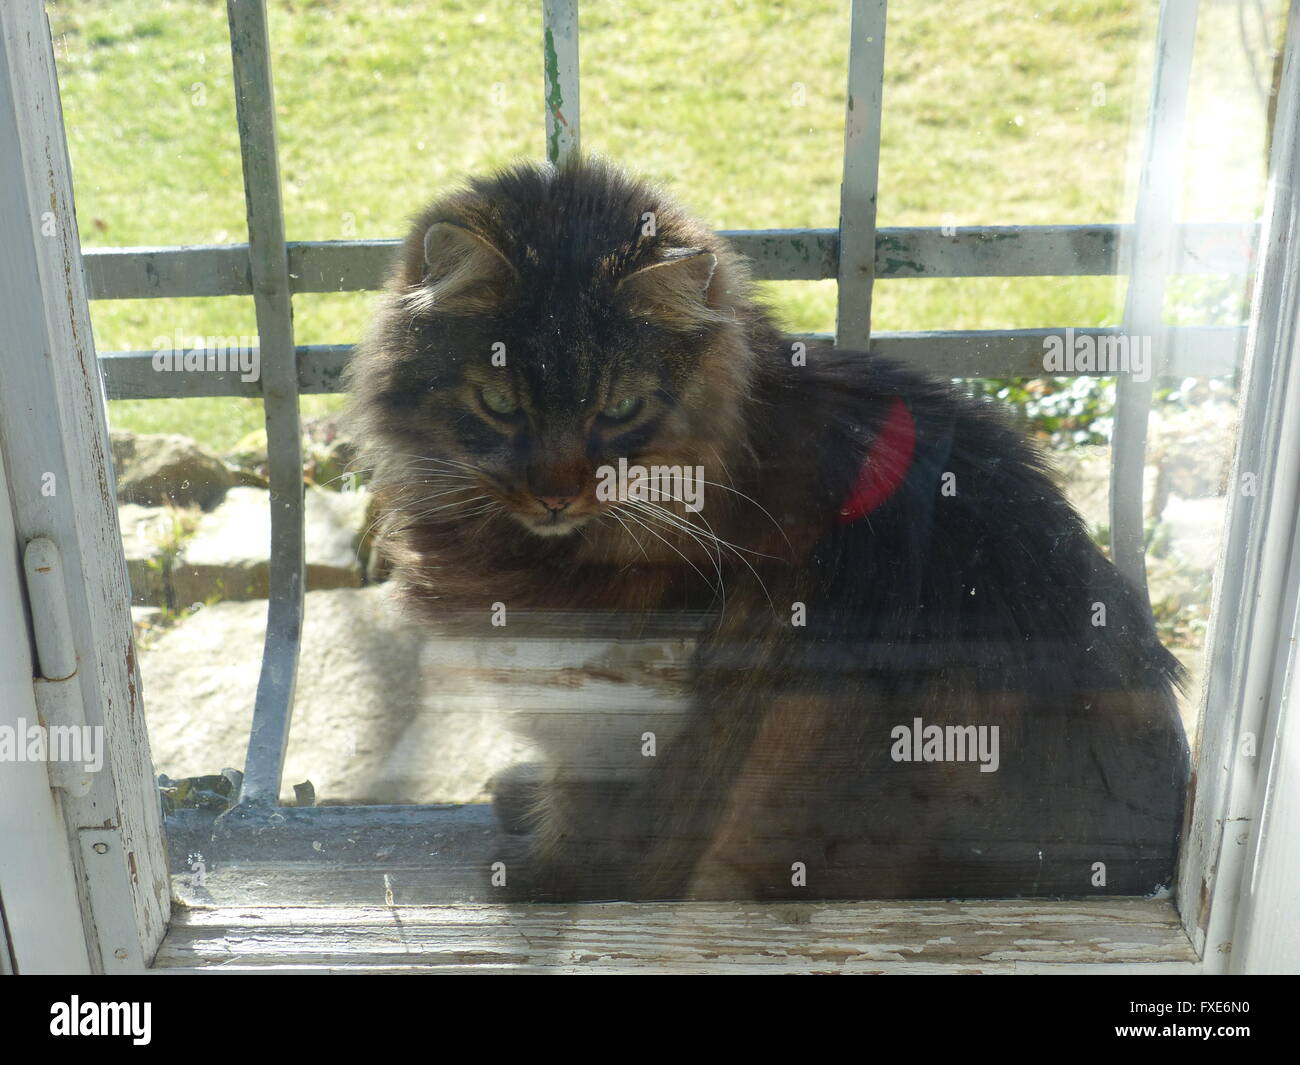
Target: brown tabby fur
(965, 609)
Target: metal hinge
(58, 689)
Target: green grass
(1002, 111)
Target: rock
(145, 532)
(157, 468)
(250, 479)
(145, 616)
(1190, 444)
(1193, 447)
(326, 454)
(227, 556)
(250, 451)
(145, 621)
(1084, 475)
(376, 719)
(1194, 528)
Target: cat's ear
(463, 272)
(673, 291)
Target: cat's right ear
(674, 290)
(463, 273)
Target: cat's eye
(499, 401)
(622, 409)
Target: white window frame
(84, 880)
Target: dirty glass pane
(621, 583)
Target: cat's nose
(555, 504)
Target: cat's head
(540, 325)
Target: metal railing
(273, 270)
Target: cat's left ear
(464, 273)
(673, 291)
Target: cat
(918, 677)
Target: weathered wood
(159, 273)
(1193, 351)
(335, 855)
(1266, 932)
(250, 50)
(45, 932)
(1150, 260)
(861, 173)
(774, 255)
(560, 79)
(60, 486)
(982, 937)
(1253, 614)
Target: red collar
(886, 465)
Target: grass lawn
(998, 111)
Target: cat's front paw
(577, 871)
(517, 796)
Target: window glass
(619, 582)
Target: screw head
(101, 848)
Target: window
(234, 847)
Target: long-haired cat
(919, 676)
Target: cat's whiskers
(424, 514)
(658, 516)
(717, 455)
(345, 474)
(698, 535)
(405, 525)
(718, 589)
(766, 513)
(388, 461)
(613, 513)
(400, 522)
(435, 460)
(428, 497)
(692, 530)
(394, 516)
(488, 510)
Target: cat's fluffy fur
(971, 606)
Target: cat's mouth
(551, 523)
